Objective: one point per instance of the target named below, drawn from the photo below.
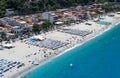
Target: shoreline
(49, 59)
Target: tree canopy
(46, 25)
(2, 7)
(36, 27)
(32, 6)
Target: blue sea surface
(98, 58)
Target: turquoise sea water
(98, 58)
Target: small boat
(71, 65)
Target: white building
(48, 16)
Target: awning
(8, 45)
(38, 37)
(118, 12)
(58, 23)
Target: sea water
(98, 58)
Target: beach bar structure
(38, 38)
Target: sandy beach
(27, 53)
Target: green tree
(27, 6)
(36, 27)
(46, 25)
(1, 41)
(2, 8)
(3, 36)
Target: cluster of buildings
(78, 13)
(21, 24)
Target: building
(9, 12)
